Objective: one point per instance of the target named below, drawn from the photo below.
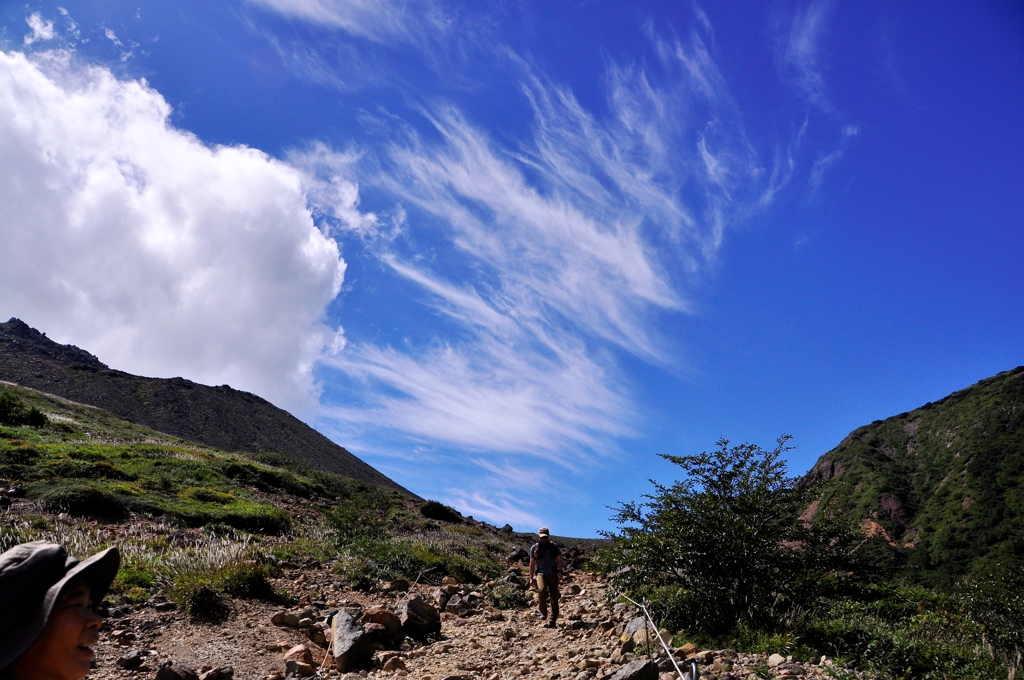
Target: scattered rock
(297, 668)
(351, 646)
(518, 555)
(131, 660)
(419, 619)
(390, 621)
(441, 597)
(686, 650)
(290, 619)
(299, 653)
(514, 579)
(222, 673)
(172, 670)
(123, 637)
(394, 664)
(775, 659)
(633, 625)
(642, 669)
(377, 635)
(457, 605)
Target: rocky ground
(593, 640)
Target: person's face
(63, 651)
(543, 538)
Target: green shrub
(726, 546)
(994, 602)
(204, 604)
(506, 596)
(82, 499)
(134, 575)
(14, 412)
(247, 580)
(440, 512)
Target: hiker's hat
(33, 576)
(543, 531)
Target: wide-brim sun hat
(33, 576)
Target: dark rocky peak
(18, 334)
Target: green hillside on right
(938, 490)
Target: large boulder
(351, 646)
(419, 619)
(641, 669)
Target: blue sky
(507, 252)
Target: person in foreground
(546, 564)
(48, 620)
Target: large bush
(726, 545)
(14, 412)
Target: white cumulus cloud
(160, 254)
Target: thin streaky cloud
(823, 163)
(498, 508)
(802, 52)
(488, 397)
(569, 244)
(375, 20)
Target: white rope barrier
(668, 651)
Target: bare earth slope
(220, 417)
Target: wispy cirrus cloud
(801, 53)
(376, 20)
(569, 246)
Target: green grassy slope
(87, 465)
(87, 462)
(218, 417)
(945, 481)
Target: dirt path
(487, 645)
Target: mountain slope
(944, 483)
(219, 417)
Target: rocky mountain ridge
(219, 417)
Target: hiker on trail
(48, 619)
(545, 571)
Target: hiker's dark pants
(547, 587)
